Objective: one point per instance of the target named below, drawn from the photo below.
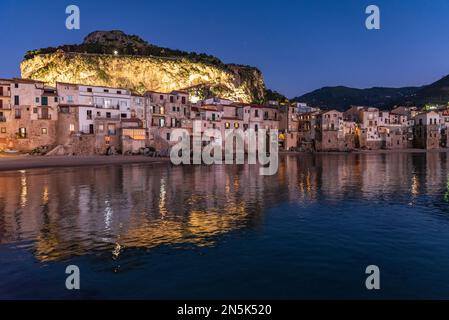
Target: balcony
(112, 117)
(5, 106)
(44, 117)
(113, 107)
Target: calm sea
(164, 232)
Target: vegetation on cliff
(112, 58)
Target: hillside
(113, 58)
(341, 98)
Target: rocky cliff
(119, 60)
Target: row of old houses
(83, 119)
(367, 128)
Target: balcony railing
(111, 117)
(114, 107)
(44, 117)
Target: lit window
(227, 125)
(236, 125)
(44, 130)
(71, 127)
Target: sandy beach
(21, 162)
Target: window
(123, 115)
(64, 109)
(100, 128)
(16, 85)
(71, 127)
(256, 127)
(3, 130)
(17, 113)
(161, 97)
(108, 115)
(44, 131)
(16, 100)
(227, 125)
(119, 92)
(171, 99)
(183, 100)
(22, 133)
(106, 90)
(89, 114)
(56, 99)
(89, 89)
(70, 99)
(236, 125)
(34, 110)
(168, 136)
(162, 110)
(256, 113)
(45, 101)
(111, 129)
(37, 99)
(161, 122)
(174, 109)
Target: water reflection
(65, 212)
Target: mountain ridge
(342, 97)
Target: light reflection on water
(60, 214)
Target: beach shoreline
(25, 161)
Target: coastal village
(78, 119)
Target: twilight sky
(299, 45)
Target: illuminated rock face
(141, 73)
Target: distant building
(330, 134)
(427, 130)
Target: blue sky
(299, 45)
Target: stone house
(330, 134)
(28, 115)
(427, 130)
